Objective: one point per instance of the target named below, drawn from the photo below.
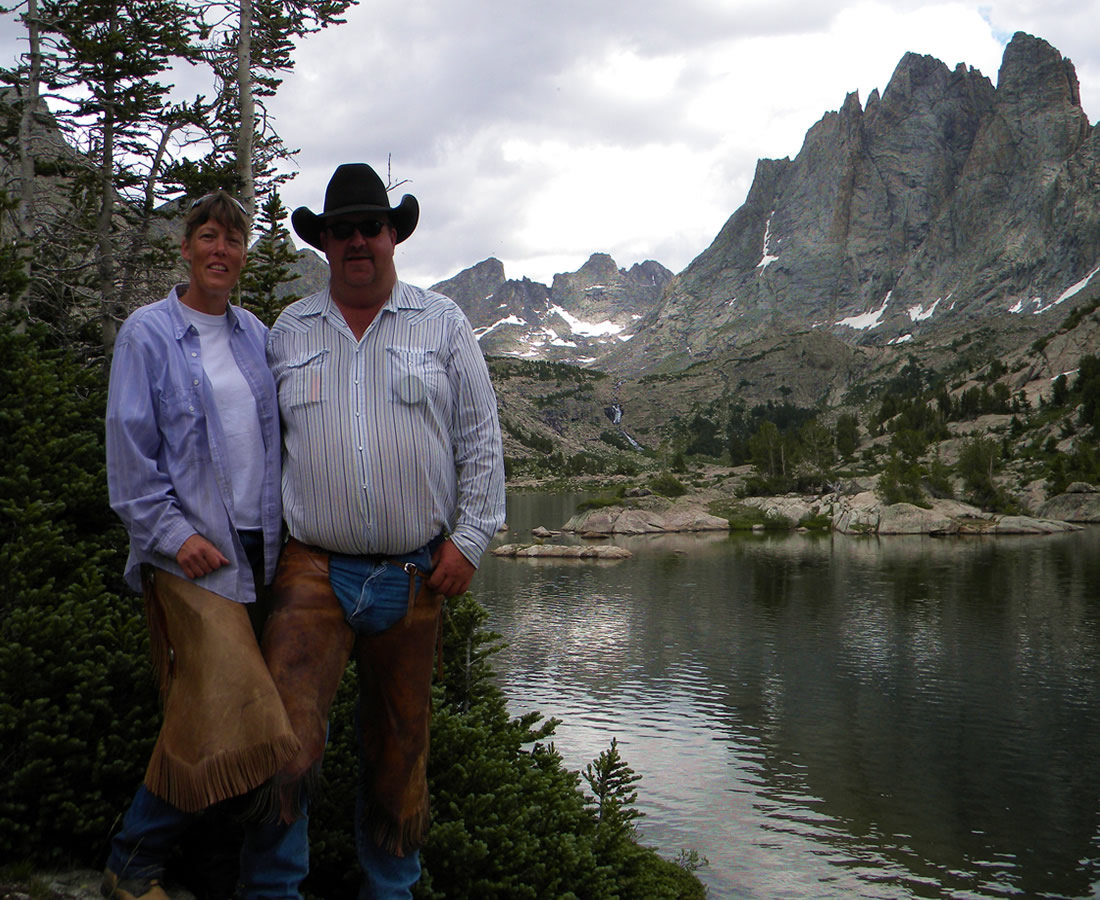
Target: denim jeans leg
(385, 876)
(150, 831)
(274, 860)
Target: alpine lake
(823, 715)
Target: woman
(193, 472)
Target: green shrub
(667, 485)
(900, 482)
(615, 498)
(746, 518)
(819, 522)
(78, 711)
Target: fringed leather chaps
(307, 644)
(395, 697)
(225, 731)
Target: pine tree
(614, 795)
(847, 434)
(103, 62)
(249, 45)
(269, 265)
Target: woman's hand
(198, 557)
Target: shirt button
(193, 353)
(196, 381)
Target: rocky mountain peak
(943, 204)
(598, 267)
(573, 320)
(476, 287)
(1034, 74)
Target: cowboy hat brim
(308, 225)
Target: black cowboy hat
(356, 188)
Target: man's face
(360, 256)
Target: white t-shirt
(237, 413)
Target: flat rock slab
(627, 520)
(1080, 503)
(561, 551)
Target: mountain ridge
(942, 205)
(574, 319)
(944, 195)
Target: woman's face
(216, 255)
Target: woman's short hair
(223, 208)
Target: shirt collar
(180, 322)
(401, 297)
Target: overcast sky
(541, 132)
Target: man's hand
(451, 571)
(198, 557)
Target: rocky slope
(945, 224)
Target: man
(393, 486)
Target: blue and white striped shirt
(390, 439)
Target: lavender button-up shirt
(167, 470)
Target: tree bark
(247, 109)
(26, 154)
(110, 315)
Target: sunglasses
(368, 228)
(237, 203)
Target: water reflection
(829, 716)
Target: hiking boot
(131, 888)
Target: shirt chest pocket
(304, 380)
(181, 422)
(415, 375)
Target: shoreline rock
(637, 520)
(540, 531)
(865, 513)
(1079, 503)
(859, 513)
(561, 551)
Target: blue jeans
(274, 858)
(375, 596)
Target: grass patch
(746, 518)
(615, 498)
(20, 878)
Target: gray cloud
(540, 133)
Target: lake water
(828, 716)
